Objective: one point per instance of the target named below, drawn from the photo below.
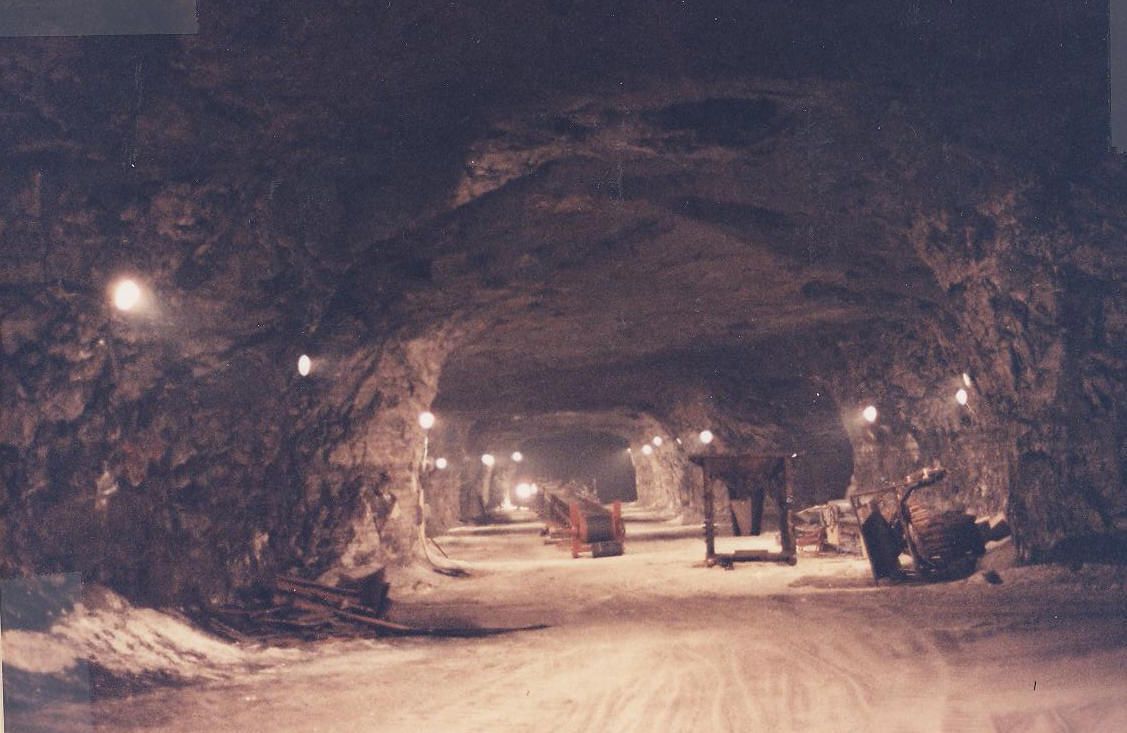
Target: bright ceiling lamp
(657, 441)
(961, 396)
(304, 365)
(488, 459)
(126, 295)
(705, 436)
(869, 413)
(517, 456)
(440, 464)
(426, 420)
(647, 449)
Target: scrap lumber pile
(303, 610)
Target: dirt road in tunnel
(652, 641)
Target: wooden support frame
(711, 466)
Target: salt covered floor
(652, 641)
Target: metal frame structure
(714, 466)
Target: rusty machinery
(749, 478)
(941, 544)
(596, 530)
(584, 524)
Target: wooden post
(757, 495)
(786, 535)
(709, 519)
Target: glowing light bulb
(304, 365)
(126, 295)
(426, 420)
(870, 413)
(966, 379)
(517, 456)
(524, 490)
(440, 464)
(488, 459)
(657, 441)
(961, 397)
(647, 450)
(705, 436)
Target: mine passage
(554, 363)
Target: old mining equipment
(893, 520)
(596, 530)
(754, 476)
(584, 524)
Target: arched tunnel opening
(597, 459)
(298, 305)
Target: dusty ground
(651, 641)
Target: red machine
(584, 523)
(595, 530)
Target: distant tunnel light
(488, 459)
(524, 490)
(647, 449)
(126, 295)
(426, 420)
(657, 441)
(517, 456)
(304, 365)
(961, 397)
(441, 464)
(869, 413)
(705, 436)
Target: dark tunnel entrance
(595, 459)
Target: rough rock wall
(1038, 272)
(173, 452)
(1036, 321)
(451, 493)
(379, 451)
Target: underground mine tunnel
(311, 314)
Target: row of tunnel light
(869, 414)
(127, 295)
(705, 437)
(962, 397)
(426, 422)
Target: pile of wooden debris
(304, 610)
